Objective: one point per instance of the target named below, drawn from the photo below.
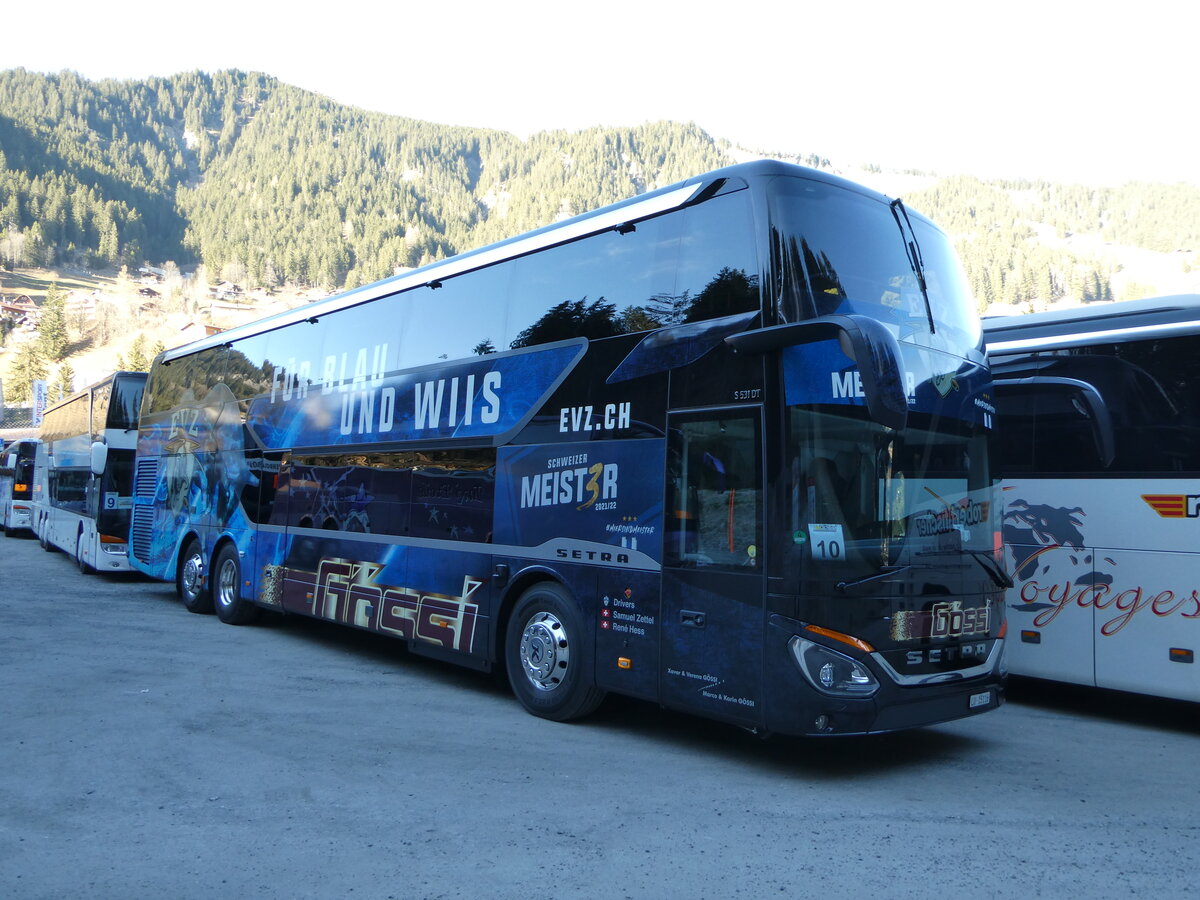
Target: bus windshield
(839, 251)
(867, 497)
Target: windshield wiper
(986, 562)
(848, 587)
(994, 569)
(914, 254)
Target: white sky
(1061, 89)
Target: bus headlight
(831, 672)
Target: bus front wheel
(548, 661)
(227, 594)
(193, 587)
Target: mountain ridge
(236, 176)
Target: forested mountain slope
(267, 184)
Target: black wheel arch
(511, 593)
(188, 536)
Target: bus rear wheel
(84, 568)
(227, 594)
(193, 587)
(549, 664)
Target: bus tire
(43, 539)
(84, 568)
(226, 590)
(193, 588)
(548, 661)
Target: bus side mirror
(868, 342)
(1085, 398)
(99, 457)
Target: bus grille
(145, 479)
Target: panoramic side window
(1160, 428)
(249, 373)
(717, 273)
(438, 494)
(68, 489)
(615, 282)
(1107, 409)
(467, 316)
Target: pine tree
(137, 361)
(53, 337)
(64, 381)
(27, 367)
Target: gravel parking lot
(146, 752)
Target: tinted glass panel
(186, 381)
(247, 372)
(608, 284)
(68, 420)
(26, 452)
(466, 316)
(164, 388)
(300, 350)
(838, 251)
(101, 397)
(714, 492)
(125, 402)
(1148, 394)
(718, 266)
(68, 488)
(447, 495)
(862, 496)
(950, 297)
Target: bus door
(713, 581)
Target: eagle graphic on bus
(1033, 530)
(1055, 570)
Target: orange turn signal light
(838, 636)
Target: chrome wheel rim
(227, 583)
(193, 573)
(545, 651)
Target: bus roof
(1130, 320)
(87, 390)
(602, 219)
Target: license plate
(981, 699)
